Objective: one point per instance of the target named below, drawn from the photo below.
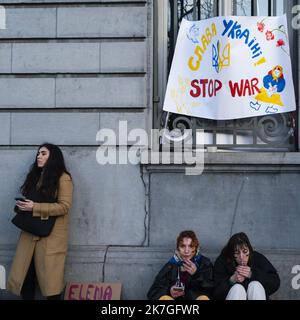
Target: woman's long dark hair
(49, 174)
(238, 240)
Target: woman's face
(42, 157)
(186, 249)
(241, 255)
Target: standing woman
(42, 259)
(240, 273)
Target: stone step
(136, 267)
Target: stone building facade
(69, 68)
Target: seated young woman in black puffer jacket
(188, 275)
(240, 273)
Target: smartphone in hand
(179, 288)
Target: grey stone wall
(266, 206)
(68, 69)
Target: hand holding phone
(179, 288)
(177, 291)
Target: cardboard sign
(93, 291)
(231, 67)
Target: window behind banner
(272, 132)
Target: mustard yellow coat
(49, 252)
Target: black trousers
(28, 288)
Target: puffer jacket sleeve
(202, 280)
(63, 204)
(162, 283)
(221, 279)
(265, 273)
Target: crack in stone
(236, 206)
(104, 262)
(146, 207)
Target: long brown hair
(238, 240)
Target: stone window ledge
(233, 162)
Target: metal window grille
(271, 133)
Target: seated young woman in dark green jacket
(188, 275)
(240, 273)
